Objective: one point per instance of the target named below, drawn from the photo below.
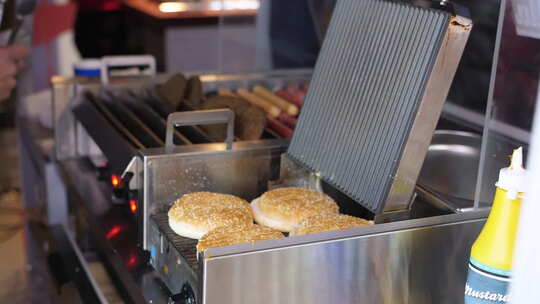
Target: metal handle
(205, 117)
(125, 62)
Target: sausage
(288, 120)
(304, 88)
(281, 103)
(271, 109)
(226, 92)
(290, 97)
(278, 127)
(295, 91)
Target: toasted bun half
(328, 222)
(284, 208)
(195, 214)
(237, 234)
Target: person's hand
(10, 64)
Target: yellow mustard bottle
(490, 264)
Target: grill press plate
(367, 86)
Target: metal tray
(450, 170)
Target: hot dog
(278, 127)
(281, 103)
(271, 109)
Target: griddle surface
(185, 246)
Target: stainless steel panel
(237, 172)
(174, 269)
(387, 263)
(376, 94)
(186, 247)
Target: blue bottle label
(486, 285)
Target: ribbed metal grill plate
(185, 246)
(364, 95)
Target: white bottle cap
(513, 179)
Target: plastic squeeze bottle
(490, 264)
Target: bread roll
(194, 91)
(249, 120)
(279, 127)
(195, 214)
(328, 222)
(249, 123)
(285, 208)
(237, 234)
(172, 91)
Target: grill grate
(367, 85)
(185, 246)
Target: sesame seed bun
(229, 235)
(195, 214)
(328, 222)
(285, 208)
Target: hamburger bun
(195, 214)
(172, 91)
(328, 222)
(229, 235)
(249, 120)
(194, 91)
(284, 208)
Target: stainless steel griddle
(376, 95)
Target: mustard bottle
(490, 263)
